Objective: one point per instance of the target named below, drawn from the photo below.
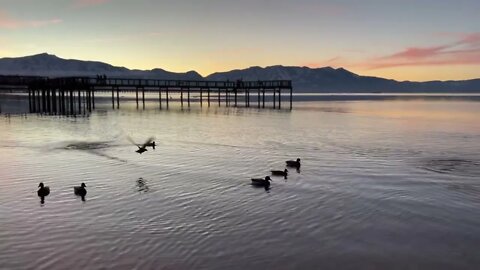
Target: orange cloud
(7, 22)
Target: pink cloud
(471, 39)
(86, 3)
(414, 52)
(8, 22)
(464, 51)
(468, 57)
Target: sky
(416, 40)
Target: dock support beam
(54, 101)
(29, 100)
(167, 97)
(79, 102)
(160, 98)
(279, 98)
(258, 100)
(48, 107)
(226, 97)
(32, 104)
(118, 98)
(136, 96)
(181, 97)
(263, 99)
(93, 98)
(236, 94)
(72, 109)
(246, 98)
(208, 93)
(113, 98)
(274, 99)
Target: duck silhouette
(43, 190)
(80, 190)
(283, 173)
(143, 147)
(262, 182)
(293, 163)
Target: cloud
(87, 3)
(465, 50)
(8, 22)
(337, 61)
(472, 39)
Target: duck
(151, 144)
(261, 182)
(80, 190)
(293, 163)
(143, 147)
(283, 173)
(43, 190)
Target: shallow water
(383, 185)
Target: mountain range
(305, 79)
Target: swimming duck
(261, 182)
(43, 190)
(283, 173)
(80, 190)
(293, 163)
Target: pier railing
(121, 82)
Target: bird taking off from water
(143, 147)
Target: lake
(384, 184)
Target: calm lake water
(391, 184)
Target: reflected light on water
(383, 184)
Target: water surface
(383, 185)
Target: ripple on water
(452, 166)
(189, 203)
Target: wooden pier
(76, 95)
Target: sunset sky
(398, 39)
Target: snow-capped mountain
(304, 79)
(328, 79)
(50, 65)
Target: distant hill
(50, 65)
(328, 79)
(322, 80)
